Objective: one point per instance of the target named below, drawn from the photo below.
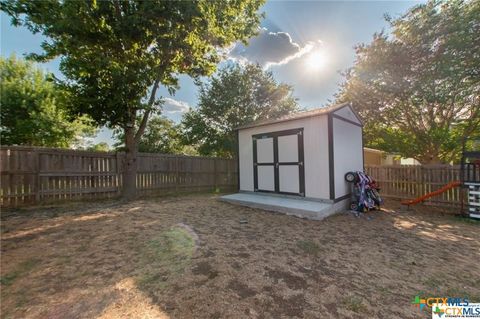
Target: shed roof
(297, 116)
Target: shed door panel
(266, 178)
(288, 148)
(289, 178)
(265, 150)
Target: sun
(316, 61)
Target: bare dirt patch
(196, 257)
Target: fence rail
(33, 175)
(411, 181)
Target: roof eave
(327, 110)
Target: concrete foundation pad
(291, 206)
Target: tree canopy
(98, 147)
(418, 88)
(114, 51)
(34, 111)
(236, 95)
(161, 135)
(115, 54)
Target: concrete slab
(291, 206)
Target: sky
(304, 44)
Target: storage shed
(300, 156)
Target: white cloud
(175, 106)
(270, 49)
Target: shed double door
(278, 162)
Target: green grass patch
(354, 304)
(309, 247)
(22, 269)
(21, 297)
(433, 282)
(384, 291)
(63, 260)
(166, 256)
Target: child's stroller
(365, 192)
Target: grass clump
(309, 247)
(165, 256)
(354, 304)
(432, 282)
(22, 269)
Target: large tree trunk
(132, 139)
(130, 167)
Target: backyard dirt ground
(197, 257)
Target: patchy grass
(165, 256)
(433, 282)
(354, 304)
(308, 247)
(191, 257)
(22, 269)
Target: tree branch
(143, 124)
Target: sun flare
(316, 60)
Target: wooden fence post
(423, 188)
(177, 180)
(215, 172)
(118, 171)
(37, 176)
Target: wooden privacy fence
(34, 175)
(412, 181)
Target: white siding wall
(315, 141)
(348, 153)
(347, 113)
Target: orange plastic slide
(424, 197)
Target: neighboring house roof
(374, 150)
(368, 149)
(300, 115)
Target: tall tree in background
(115, 54)
(161, 136)
(418, 89)
(34, 110)
(235, 96)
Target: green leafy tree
(115, 54)
(161, 136)
(99, 147)
(418, 89)
(34, 110)
(235, 96)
